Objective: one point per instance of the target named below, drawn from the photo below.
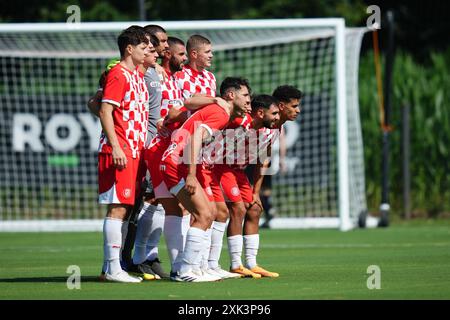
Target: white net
(48, 139)
(309, 186)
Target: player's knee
(253, 213)
(117, 211)
(214, 213)
(205, 218)
(222, 214)
(238, 211)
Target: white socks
(218, 229)
(124, 231)
(112, 244)
(251, 245)
(235, 250)
(144, 223)
(149, 228)
(175, 230)
(193, 249)
(155, 232)
(206, 248)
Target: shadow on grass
(47, 279)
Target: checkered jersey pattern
(171, 95)
(127, 91)
(191, 81)
(266, 138)
(231, 146)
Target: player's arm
(177, 114)
(199, 100)
(195, 147)
(259, 174)
(95, 102)
(106, 119)
(161, 72)
(283, 151)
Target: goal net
(48, 139)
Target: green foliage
(56, 11)
(157, 10)
(352, 10)
(424, 88)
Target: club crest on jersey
(126, 193)
(208, 191)
(235, 191)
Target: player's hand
(162, 73)
(159, 124)
(257, 201)
(119, 158)
(191, 184)
(222, 103)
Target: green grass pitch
(414, 262)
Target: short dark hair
(233, 83)
(153, 29)
(263, 101)
(196, 41)
(133, 35)
(173, 40)
(154, 40)
(286, 92)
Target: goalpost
(48, 139)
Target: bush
(424, 87)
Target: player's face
(204, 56)
(139, 52)
(163, 44)
(151, 56)
(241, 102)
(178, 57)
(271, 116)
(291, 109)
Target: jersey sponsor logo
(155, 84)
(176, 102)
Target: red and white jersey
(232, 146)
(127, 91)
(211, 117)
(170, 97)
(171, 94)
(266, 138)
(160, 141)
(191, 81)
